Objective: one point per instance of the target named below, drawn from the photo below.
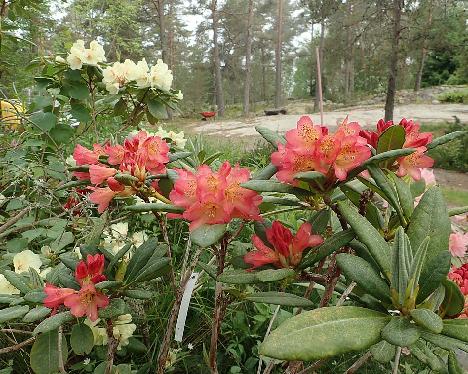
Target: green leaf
(360, 271)
(108, 285)
(383, 351)
(280, 298)
(122, 251)
(36, 296)
(324, 332)
(310, 176)
(454, 366)
(444, 342)
(391, 139)
(53, 322)
(154, 270)
(433, 273)
(445, 139)
(266, 173)
(207, 235)
(178, 156)
(456, 328)
(44, 120)
(319, 220)
(273, 275)
(134, 345)
(99, 225)
(404, 194)
(139, 294)
(428, 319)
(13, 312)
(116, 308)
(157, 109)
(386, 187)
(430, 218)
(140, 258)
(273, 186)
(17, 281)
(37, 313)
(82, 339)
(400, 332)
(237, 277)
(62, 241)
(80, 112)
(153, 207)
(270, 136)
(417, 265)
(69, 260)
(454, 301)
(458, 210)
(402, 258)
(367, 234)
(77, 90)
(44, 356)
(330, 245)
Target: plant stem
(333, 274)
(111, 347)
(17, 346)
(270, 325)
(397, 361)
(359, 362)
(219, 307)
(166, 342)
(59, 346)
(346, 293)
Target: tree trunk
(321, 45)
(279, 47)
(393, 61)
(424, 50)
(170, 36)
(262, 48)
(159, 4)
(217, 64)
(248, 57)
(312, 65)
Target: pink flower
(115, 153)
(414, 138)
(311, 148)
(458, 244)
(86, 301)
(98, 173)
(428, 176)
(283, 249)
(55, 296)
(91, 270)
(413, 163)
(84, 156)
(102, 197)
(213, 197)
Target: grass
(455, 196)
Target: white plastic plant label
(184, 305)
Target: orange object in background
(10, 114)
(207, 115)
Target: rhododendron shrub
(346, 233)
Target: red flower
(460, 277)
(91, 270)
(55, 296)
(98, 173)
(413, 163)
(86, 301)
(283, 250)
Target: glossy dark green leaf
(445, 139)
(454, 300)
(80, 112)
(360, 271)
(140, 258)
(433, 273)
(44, 356)
(376, 244)
(456, 328)
(324, 332)
(270, 136)
(157, 109)
(207, 235)
(383, 351)
(13, 312)
(400, 332)
(44, 120)
(82, 339)
(427, 319)
(274, 275)
(53, 322)
(36, 314)
(266, 173)
(444, 342)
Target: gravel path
(366, 116)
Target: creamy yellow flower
(76, 55)
(6, 288)
(26, 259)
(60, 60)
(179, 95)
(123, 329)
(95, 54)
(160, 76)
(139, 74)
(99, 333)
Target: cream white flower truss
(6, 288)
(122, 330)
(79, 55)
(119, 74)
(24, 260)
(117, 236)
